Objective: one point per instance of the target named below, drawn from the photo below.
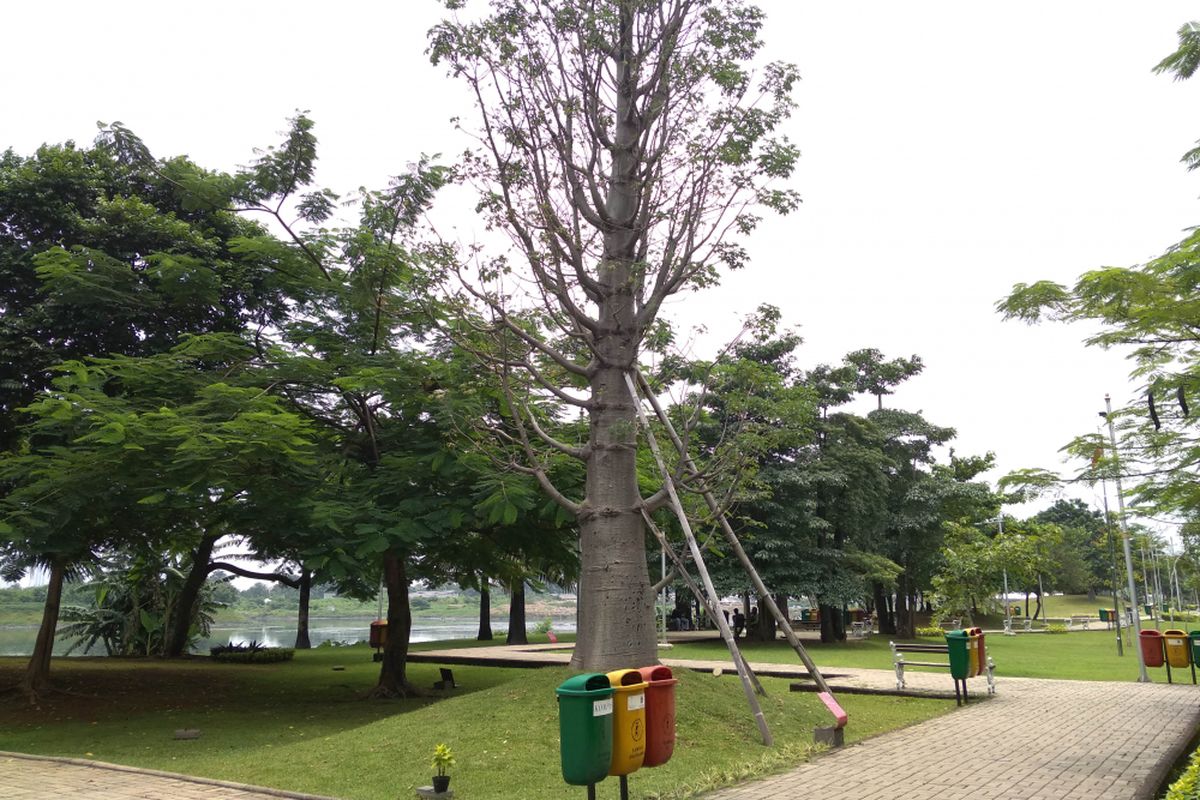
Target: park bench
(806, 625)
(900, 662)
(1078, 619)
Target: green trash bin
(1194, 642)
(585, 728)
(957, 642)
(1104, 615)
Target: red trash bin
(982, 653)
(660, 715)
(1152, 648)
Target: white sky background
(950, 150)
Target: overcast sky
(950, 150)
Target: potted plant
(443, 759)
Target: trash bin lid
(589, 684)
(658, 675)
(956, 634)
(626, 680)
(1151, 634)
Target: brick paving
(1035, 740)
(36, 778)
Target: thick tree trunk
(37, 673)
(1091, 594)
(904, 617)
(181, 619)
(764, 627)
(683, 605)
(887, 623)
(393, 678)
(516, 615)
(827, 612)
(616, 607)
(303, 642)
(485, 612)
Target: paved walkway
(1036, 740)
(24, 777)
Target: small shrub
(249, 647)
(1187, 786)
(544, 626)
(443, 758)
(1056, 628)
(933, 630)
(252, 653)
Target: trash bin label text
(602, 708)
(636, 701)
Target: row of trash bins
(1175, 648)
(968, 654)
(615, 723)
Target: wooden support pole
(698, 559)
(713, 611)
(733, 541)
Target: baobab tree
(627, 147)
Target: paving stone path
(36, 778)
(1035, 740)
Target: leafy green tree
(100, 254)
(877, 377)
(620, 142)
(1085, 559)
(133, 602)
(176, 448)
(923, 496)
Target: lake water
(19, 641)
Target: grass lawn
(1079, 655)
(302, 726)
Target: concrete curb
(241, 787)
(1160, 771)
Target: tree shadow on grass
(332, 685)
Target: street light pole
(1137, 623)
(1112, 557)
(1007, 606)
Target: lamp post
(1137, 623)
(1112, 557)
(1008, 631)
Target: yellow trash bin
(1178, 654)
(973, 647)
(629, 721)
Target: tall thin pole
(663, 600)
(1112, 558)
(698, 560)
(1137, 623)
(1146, 578)
(1007, 605)
(1158, 590)
(731, 538)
